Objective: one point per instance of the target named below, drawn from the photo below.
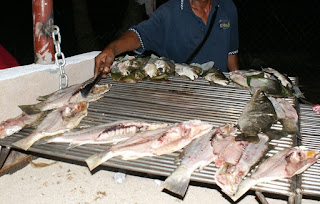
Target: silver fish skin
(153, 143)
(258, 115)
(14, 125)
(215, 77)
(190, 71)
(56, 122)
(229, 176)
(105, 133)
(63, 97)
(239, 77)
(284, 164)
(286, 114)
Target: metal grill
(175, 101)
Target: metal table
(178, 100)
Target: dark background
(280, 34)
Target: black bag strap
(195, 52)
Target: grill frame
(178, 100)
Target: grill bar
(178, 101)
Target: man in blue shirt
(176, 29)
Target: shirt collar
(185, 5)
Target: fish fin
(24, 143)
(178, 181)
(97, 159)
(32, 109)
(45, 97)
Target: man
(176, 29)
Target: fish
(134, 77)
(198, 154)
(215, 77)
(190, 71)
(229, 175)
(124, 66)
(285, 81)
(14, 125)
(269, 86)
(240, 77)
(284, 164)
(257, 116)
(224, 137)
(286, 114)
(316, 108)
(56, 122)
(63, 97)
(153, 143)
(159, 67)
(105, 133)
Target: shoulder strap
(195, 52)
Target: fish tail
(32, 109)
(24, 143)
(97, 159)
(178, 181)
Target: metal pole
(42, 30)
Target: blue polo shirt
(174, 31)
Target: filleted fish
(284, 164)
(66, 96)
(229, 176)
(198, 154)
(153, 143)
(105, 133)
(56, 122)
(14, 125)
(190, 71)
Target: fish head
(299, 159)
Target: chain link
(59, 57)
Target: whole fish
(258, 116)
(229, 176)
(124, 66)
(159, 67)
(190, 71)
(284, 164)
(240, 77)
(14, 125)
(106, 133)
(65, 96)
(215, 77)
(153, 142)
(269, 86)
(285, 81)
(286, 114)
(56, 122)
(198, 154)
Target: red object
(42, 31)
(6, 59)
(316, 108)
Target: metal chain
(59, 57)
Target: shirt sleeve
(150, 32)
(234, 35)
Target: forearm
(127, 42)
(233, 62)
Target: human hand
(103, 62)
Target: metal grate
(176, 101)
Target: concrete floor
(62, 182)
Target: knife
(87, 88)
